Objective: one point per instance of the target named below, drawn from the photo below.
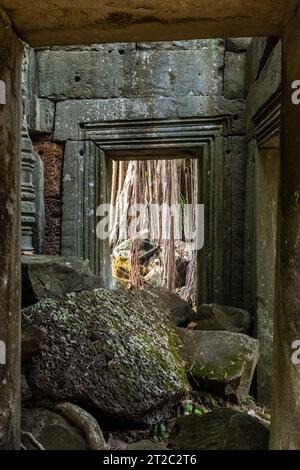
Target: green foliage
(161, 432)
(188, 408)
(200, 410)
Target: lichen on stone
(114, 351)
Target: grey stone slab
(267, 166)
(234, 75)
(177, 73)
(100, 74)
(267, 85)
(222, 429)
(237, 162)
(249, 255)
(63, 75)
(213, 106)
(227, 368)
(41, 116)
(70, 113)
(45, 277)
(254, 55)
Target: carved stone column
(27, 192)
(28, 161)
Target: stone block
(234, 75)
(255, 53)
(268, 84)
(181, 313)
(79, 75)
(41, 115)
(100, 74)
(177, 73)
(220, 362)
(72, 112)
(213, 106)
(212, 317)
(51, 276)
(221, 429)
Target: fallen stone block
(181, 313)
(50, 276)
(220, 362)
(217, 317)
(222, 429)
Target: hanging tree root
(33, 440)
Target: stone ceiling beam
(52, 22)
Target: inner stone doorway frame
(86, 173)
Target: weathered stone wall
(114, 82)
(262, 82)
(10, 263)
(263, 86)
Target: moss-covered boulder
(220, 362)
(110, 350)
(222, 429)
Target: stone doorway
(208, 139)
(163, 23)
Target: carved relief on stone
(27, 193)
(28, 208)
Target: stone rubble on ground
(221, 362)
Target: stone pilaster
(10, 262)
(85, 187)
(285, 432)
